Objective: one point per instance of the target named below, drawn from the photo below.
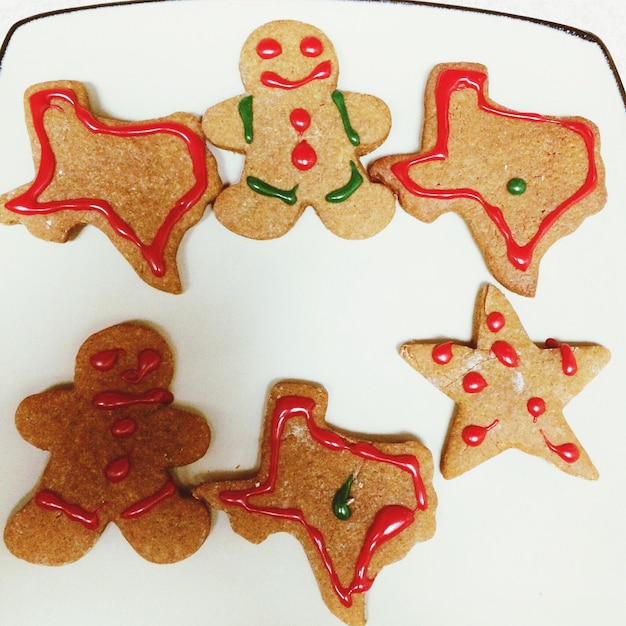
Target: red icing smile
(276, 81)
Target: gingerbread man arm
(223, 124)
(42, 417)
(183, 437)
(371, 119)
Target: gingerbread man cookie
(113, 437)
(509, 391)
(302, 139)
(144, 184)
(521, 181)
(354, 505)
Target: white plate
(518, 542)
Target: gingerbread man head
(285, 55)
(124, 368)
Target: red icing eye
(268, 48)
(311, 47)
(105, 360)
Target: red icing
(148, 361)
(474, 435)
(268, 48)
(53, 502)
(495, 321)
(123, 427)
(568, 358)
(28, 203)
(442, 353)
(536, 407)
(300, 119)
(105, 360)
(311, 47)
(505, 353)
(276, 81)
(118, 399)
(567, 451)
(388, 522)
(453, 80)
(473, 382)
(145, 505)
(117, 470)
(303, 156)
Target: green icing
(343, 193)
(245, 112)
(288, 196)
(340, 102)
(341, 501)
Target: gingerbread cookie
(302, 139)
(113, 437)
(521, 181)
(144, 184)
(509, 391)
(355, 506)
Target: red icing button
(117, 470)
(303, 156)
(123, 427)
(300, 119)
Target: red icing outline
(27, 203)
(389, 521)
(453, 80)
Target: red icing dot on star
(495, 321)
(268, 48)
(536, 407)
(473, 382)
(311, 47)
(505, 353)
(442, 353)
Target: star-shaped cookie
(354, 505)
(520, 181)
(509, 392)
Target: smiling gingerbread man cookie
(302, 139)
(113, 437)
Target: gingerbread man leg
(169, 532)
(264, 212)
(358, 210)
(52, 534)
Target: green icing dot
(516, 186)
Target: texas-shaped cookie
(354, 505)
(509, 392)
(521, 181)
(144, 184)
